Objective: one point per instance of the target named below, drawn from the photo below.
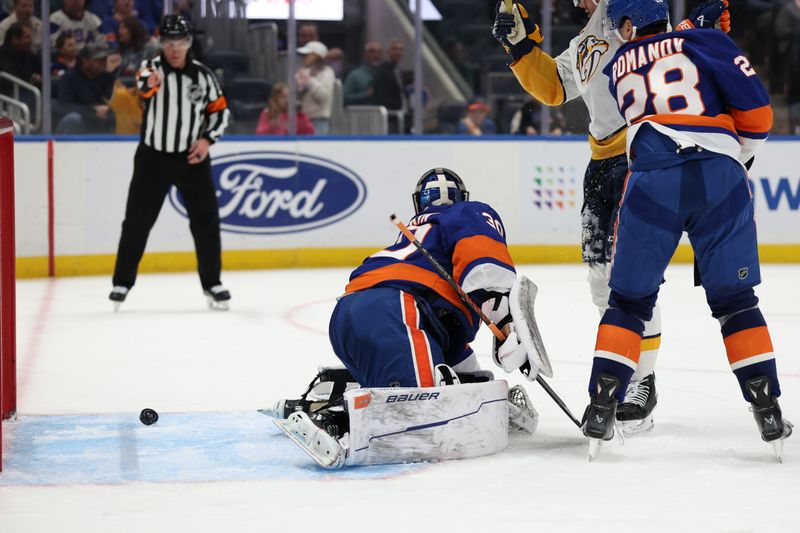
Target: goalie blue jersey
(695, 86)
(467, 239)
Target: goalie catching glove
(509, 354)
(707, 15)
(515, 30)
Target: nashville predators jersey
(466, 238)
(578, 72)
(695, 86)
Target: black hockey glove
(516, 31)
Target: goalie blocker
(417, 424)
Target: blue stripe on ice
(181, 447)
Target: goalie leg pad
(407, 425)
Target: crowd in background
(98, 48)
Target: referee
(184, 113)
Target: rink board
(326, 202)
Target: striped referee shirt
(187, 105)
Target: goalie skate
(521, 414)
(316, 442)
(218, 298)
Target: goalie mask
(438, 186)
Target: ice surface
(77, 459)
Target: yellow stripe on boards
(103, 264)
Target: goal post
(8, 342)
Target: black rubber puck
(148, 417)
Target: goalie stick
(525, 369)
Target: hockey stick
(468, 301)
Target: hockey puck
(148, 417)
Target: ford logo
(280, 192)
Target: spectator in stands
(315, 81)
(335, 60)
(23, 13)
(84, 92)
(358, 86)
(477, 121)
(147, 11)
(17, 58)
(387, 86)
(75, 20)
(127, 107)
(274, 119)
(134, 46)
(527, 119)
(110, 22)
(306, 33)
(462, 60)
(67, 50)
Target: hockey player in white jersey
(578, 72)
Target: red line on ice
(35, 337)
(289, 316)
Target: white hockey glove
(509, 354)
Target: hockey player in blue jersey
(399, 318)
(577, 73)
(401, 326)
(696, 114)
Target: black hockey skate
(767, 412)
(635, 414)
(118, 295)
(218, 298)
(600, 414)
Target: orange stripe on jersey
(758, 120)
(217, 105)
(419, 345)
(476, 247)
(720, 121)
(747, 343)
(150, 92)
(403, 272)
(618, 340)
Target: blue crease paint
(180, 448)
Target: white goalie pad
(520, 301)
(405, 425)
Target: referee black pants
(153, 174)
